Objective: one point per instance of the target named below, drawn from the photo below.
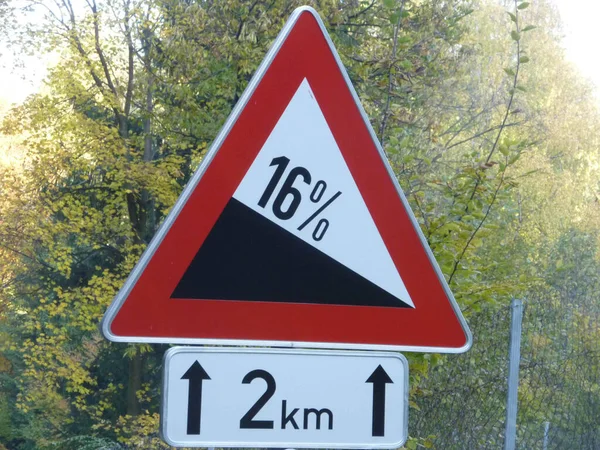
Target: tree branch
(475, 136)
(99, 51)
(391, 83)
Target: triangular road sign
(293, 231)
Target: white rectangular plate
(246, 397)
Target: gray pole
(510, 434)
(546, 430)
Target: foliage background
(493, 137)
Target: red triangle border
(143, 310)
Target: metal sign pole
(510, 438)
(546, 432)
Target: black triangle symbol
(248, 257)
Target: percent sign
(288, 191)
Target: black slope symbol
(248, 257)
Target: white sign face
(241, 397)
(300, 181)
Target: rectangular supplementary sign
(243, 397)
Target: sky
(581, 28)
(582, 36)
(18, 83)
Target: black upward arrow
(379, 378)
(195, 374)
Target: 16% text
(288, 198)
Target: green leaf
(515, 35)
(414, 405)
(513, 17)
(451, 227)
(509, 71)
(523, 5)
(528, 28)
(389, 3)
(524, 59)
